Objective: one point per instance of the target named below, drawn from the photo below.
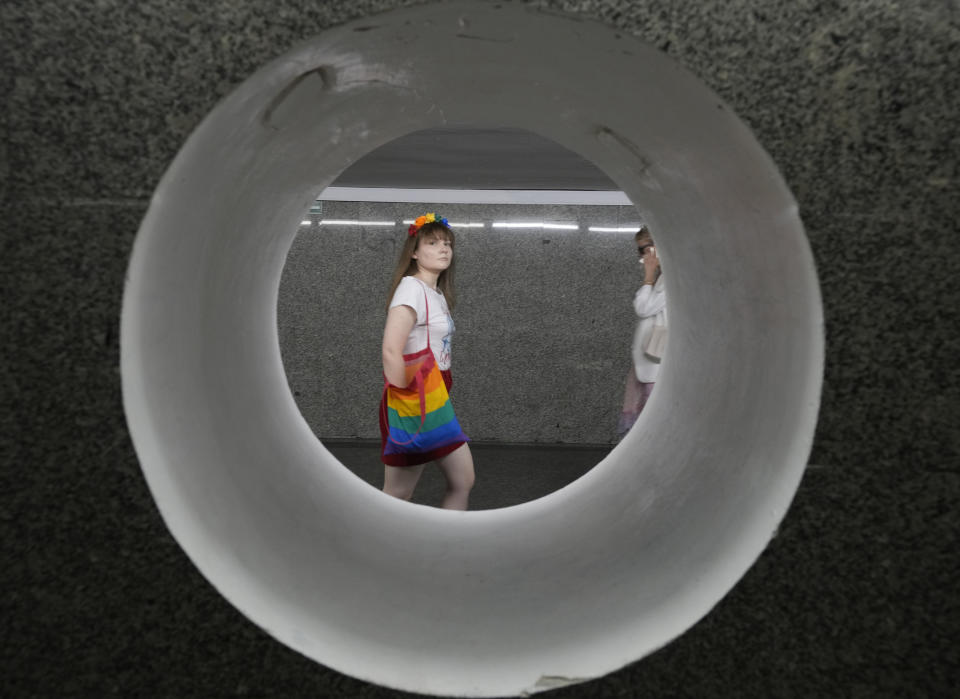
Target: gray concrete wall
(856, 101)
(544, 319)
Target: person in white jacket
(650, 304)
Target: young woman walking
(650, 304)
(417, 423)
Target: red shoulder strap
(426, 301)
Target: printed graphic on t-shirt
(444, 358)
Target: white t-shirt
(650, 303)
(410, 292)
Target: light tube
(340, 222)
(537, 224)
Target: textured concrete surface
(856, 102)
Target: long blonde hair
(407, 266)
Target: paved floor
(506, 474)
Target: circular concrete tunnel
(501, 602)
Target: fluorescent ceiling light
(537, 224)
(305, 223)
(604, 229)
(342, 222)
(476, 196)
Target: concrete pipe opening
(500, 602)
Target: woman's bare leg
(457, 468)
(400, 481)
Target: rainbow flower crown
(426, 218)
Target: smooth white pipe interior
(500, 602)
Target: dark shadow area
(507, 474)
(497, 158)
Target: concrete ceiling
(471, 158)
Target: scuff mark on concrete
(477, 37)
(547, 682)
(436, 107)
(608, 136)
(326, 75)
(559, 14)
(640, 164)
(350, 75)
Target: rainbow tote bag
(419, 416)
